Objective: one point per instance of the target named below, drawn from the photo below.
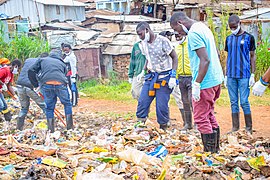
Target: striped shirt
(238, 60)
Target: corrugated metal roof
(128, 18)
(117, 50)
(65, 26)
(156, 27)
(61, 2)
(123, 42)
(103, 40)
(125, 39)
(86, 46)
(255, 12)
(86, 1)
(93, 13)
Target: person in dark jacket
(53, 83)
(26, 91)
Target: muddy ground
(260, 114)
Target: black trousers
(185, 85)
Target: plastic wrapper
(256, 162)
(138, 157)
(101, 176)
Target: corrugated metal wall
(252, 28)
(62, 13)
(25, 8)
(88, 63)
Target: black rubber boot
(248, 121)
(218, 137)
(210, 142)
(188, 118)
(69, 121)
(20, 123)
(7, 116)
(235, 122)
(142, 120)
(165, 126)
(50, 122)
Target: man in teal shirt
(137, 62)
(207, 76)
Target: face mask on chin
(184, 28)
(236, 31)
(15, 71)
(182, 40)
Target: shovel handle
(12, 96)
(56, 112)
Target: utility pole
(38, 18)
(155, 9)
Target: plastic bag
(102, 176)
(256, 162)
(159, 152)
(137, 157)
(54, 162)
(9, 169)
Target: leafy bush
(21, 46)
(262, 57)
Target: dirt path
(260, 114)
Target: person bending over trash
(26, 91)
(6, 78)
(53, 83)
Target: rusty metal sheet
(88, 63)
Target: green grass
(110, 90)
(121, 91)
(254, 100)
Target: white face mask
(184, 28)
(67, 53)
(146, 36)
(15, 71)
(182, 40)
(236, 31)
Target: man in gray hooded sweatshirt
(53, 82)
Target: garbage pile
(116, 149)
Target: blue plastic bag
(159, 152)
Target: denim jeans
(50, 93)
(24, 94)
(239, 88)
(3, 104)
(162, 98)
